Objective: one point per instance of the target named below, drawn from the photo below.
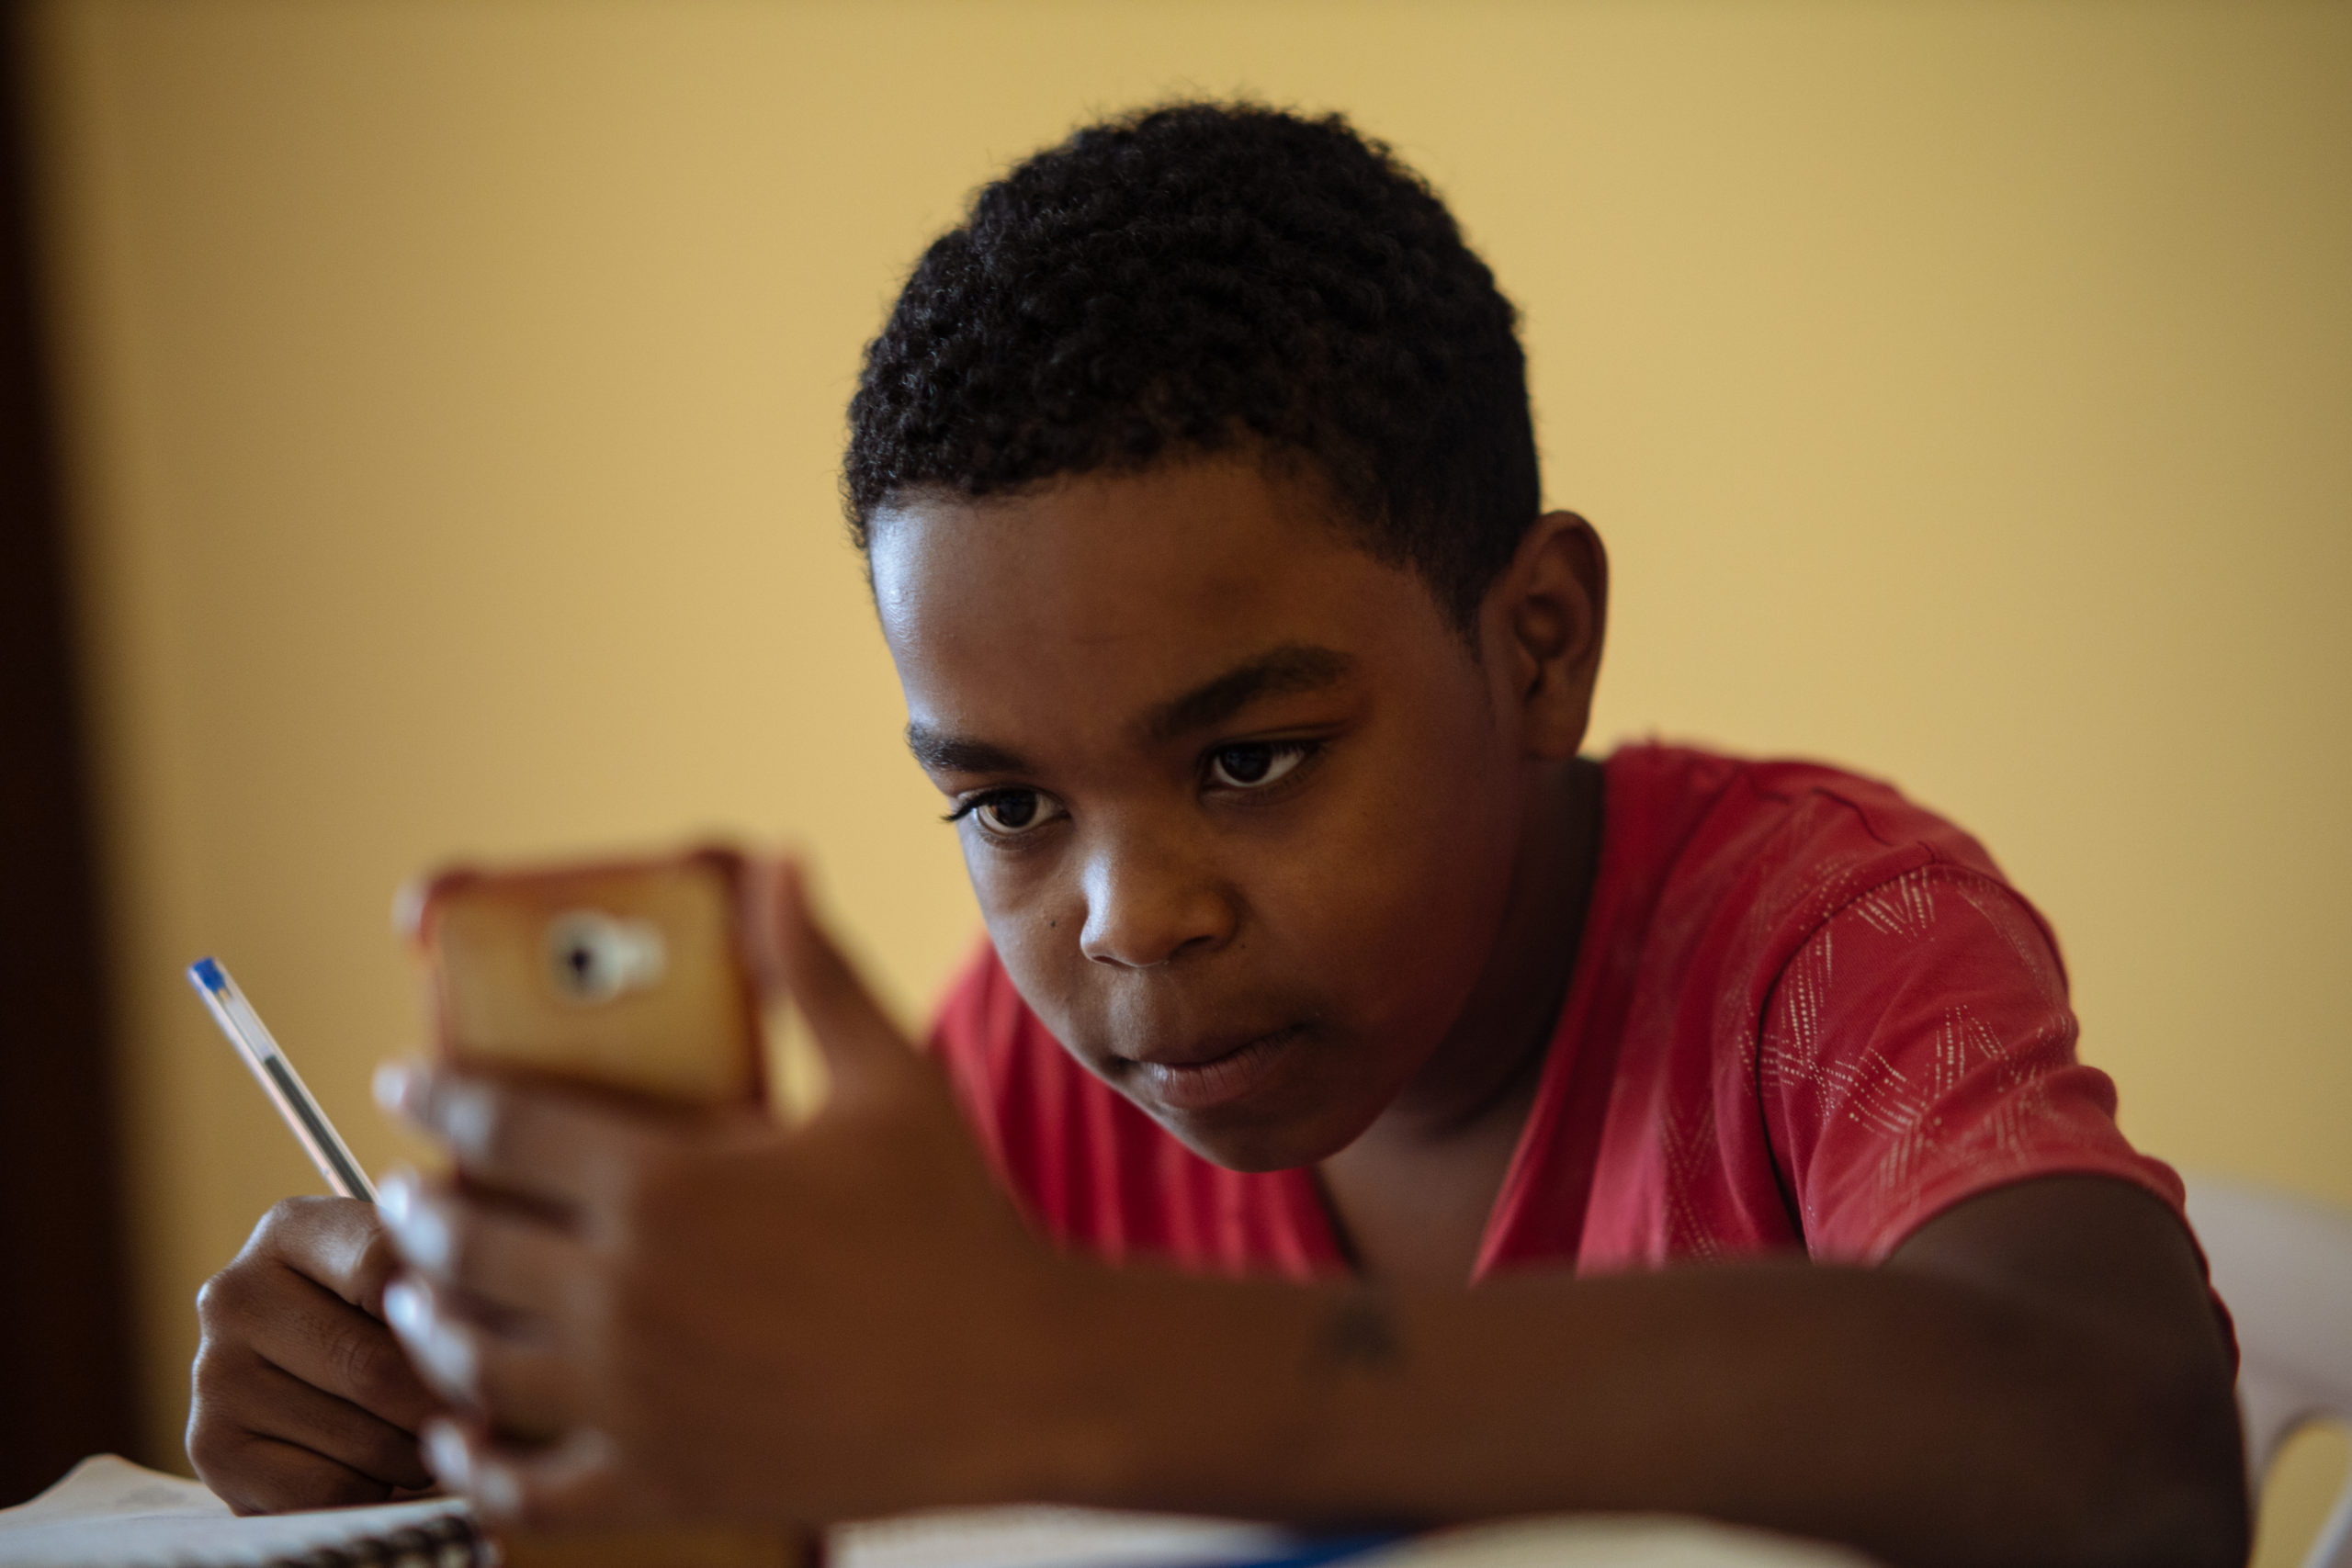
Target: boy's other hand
(652, 1313)
(302, 1398)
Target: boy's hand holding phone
(646, 1311)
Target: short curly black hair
(1200, 277)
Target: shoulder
(1806, 814)
(1836, 989)
(1763, 852)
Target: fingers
(481, 1363)
(293, 1324)
(266, 1440)
(576, 1480)
(852, 1028)
(269, 1476)
(542, 1143)
(520, 1263)
(335, 1242)
(352, 1256)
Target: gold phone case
(631, 975)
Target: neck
(1487, 1065)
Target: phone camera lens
(593, 957)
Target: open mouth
(1199, 1086)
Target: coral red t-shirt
(1805, 1013)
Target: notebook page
(109, 1513)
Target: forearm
(1922, 1421)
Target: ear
(1541, 628)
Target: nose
(1148, 903)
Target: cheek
(1032, 920)
(1388, 896)
(1396, 905)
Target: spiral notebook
(109, 1513)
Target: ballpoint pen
(278, 1079)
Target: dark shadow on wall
(65, 1382)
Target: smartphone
(634, 974)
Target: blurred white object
(1606, 1541)
(1089, 1538)
(2283, 1267)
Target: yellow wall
(456, 391)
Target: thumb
(857, 1037)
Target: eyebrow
(959, 754)
(1284, 671)
(1287, 671)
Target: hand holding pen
(302, 1398)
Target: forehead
(1086, 600)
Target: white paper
(109, 1513)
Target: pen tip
(205, 972)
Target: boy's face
(1240, 808)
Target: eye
(1008, 812)
(1254, 764)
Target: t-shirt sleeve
(1917, 1050)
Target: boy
(1198, 490)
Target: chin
(1258, 1144)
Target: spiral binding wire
(449, 1541)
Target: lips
(1214, 1076)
